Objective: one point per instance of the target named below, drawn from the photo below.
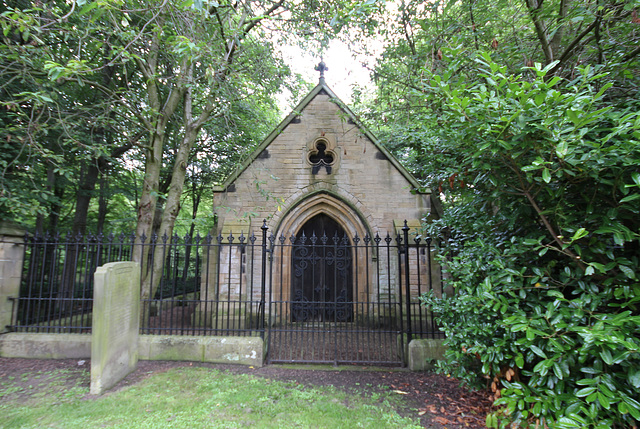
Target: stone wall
(232, 350)
(11, 258)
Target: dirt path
(439, 401)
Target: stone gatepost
(11, 259)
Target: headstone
(116, 321)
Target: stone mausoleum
(320, 172)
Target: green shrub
(542, 248)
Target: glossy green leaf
(537, 350)
(585, 391)
(604, 400)
(634, 378)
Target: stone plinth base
(236, 350)
(45, 346)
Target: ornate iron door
(322, 288)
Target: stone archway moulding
(304, 205)
(304, 209)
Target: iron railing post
(432, 326)
(400, 299)
(263, 280)
(407, 281)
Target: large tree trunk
(87, 185)
(157, 126)
(88, 178)
(102, 202)
(147, 204)
(172, 203)
(180, 89)
(164, 108)
(535, 13)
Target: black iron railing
(354, 298)
(350, 300)
(56, 293)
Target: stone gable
(356, 177)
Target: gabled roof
(321, 88)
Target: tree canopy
(154, 83)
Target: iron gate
(347, 300)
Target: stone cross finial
(322, 67)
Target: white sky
(343, 72)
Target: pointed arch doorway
(322, 272)
(331, 298)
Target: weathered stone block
(422, 353)
(171, 347)
(239, 350)
(45, 346)
(235, 350)
(11, 255)
(116, 322)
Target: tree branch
(473, 25)
(62, 18)
(255, 22)
(557, 36)
(549, 227)
(631, 54)
(113, 96)
(534, 11)
(569, 50)
(141, 32)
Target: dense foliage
(543, 248)
(523, 117)
(93, 91)
(77, 111)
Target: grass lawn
(191, 398)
